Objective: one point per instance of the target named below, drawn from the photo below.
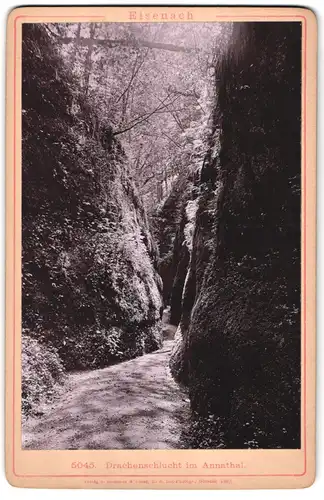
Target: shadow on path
(132, 405)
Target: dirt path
(132, 405)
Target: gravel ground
(132, 405)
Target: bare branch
(170, 139)
(47, 27)
(133, 76)
(144, 117)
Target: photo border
(13, 268)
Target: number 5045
(82, 465)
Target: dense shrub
(42, 374)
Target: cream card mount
(161, 179)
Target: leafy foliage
(158, 100)
(42, 374)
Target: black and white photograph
(161, 235)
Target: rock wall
(239, 338)
(91, 290)
(173, 227)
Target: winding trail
(131, 405)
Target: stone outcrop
(238, 349)
(91, 290)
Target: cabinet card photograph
(161, 179)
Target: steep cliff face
(239, 348)
(91, 291)
(173, 227)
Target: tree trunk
(88, 63)
(76, 45)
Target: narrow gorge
(161, 235)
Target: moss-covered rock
(240, 328)
(173, 225)
(90, 285)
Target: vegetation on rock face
(91, 292)
(168, 223)
(240, 325)
(174, 219)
